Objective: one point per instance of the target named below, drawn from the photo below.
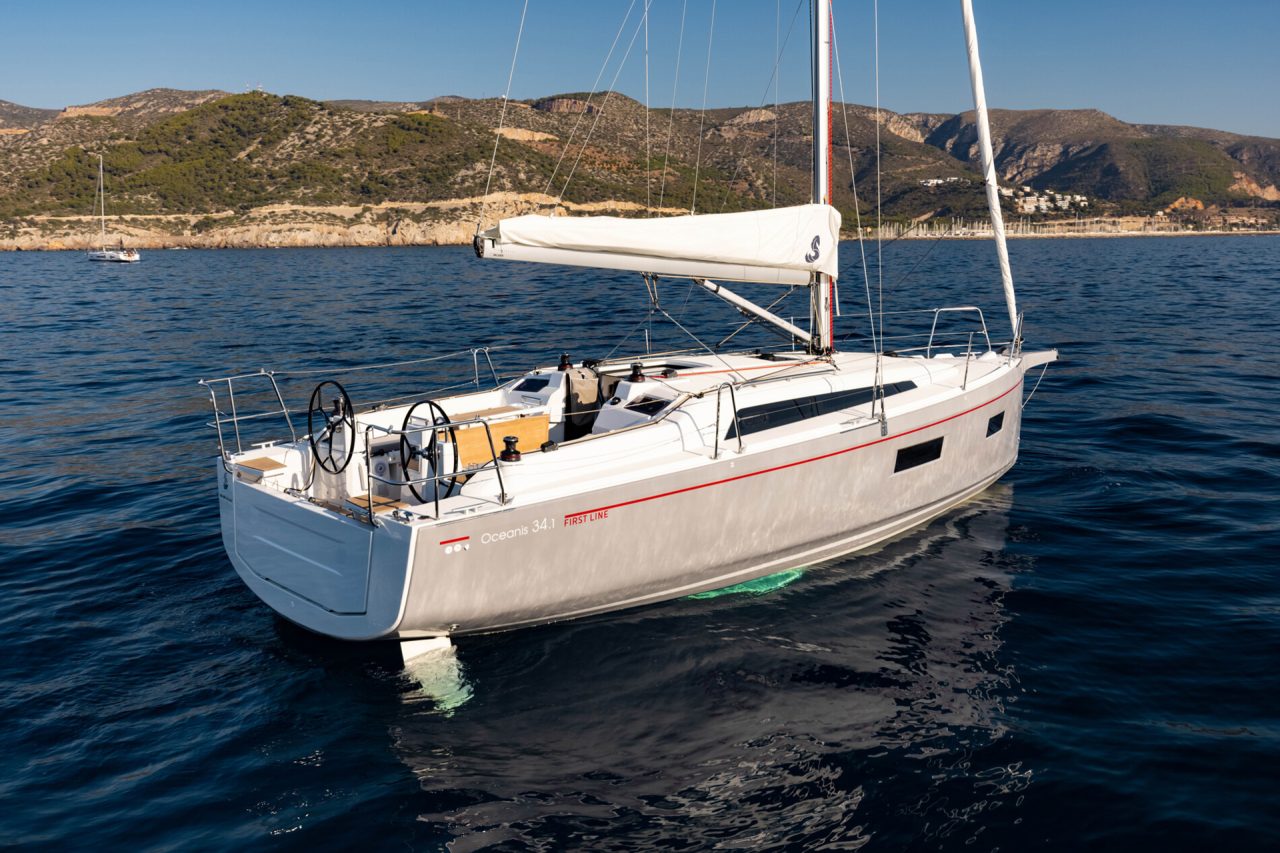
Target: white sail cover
(783, 245)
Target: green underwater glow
(759, 586)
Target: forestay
(780, 246)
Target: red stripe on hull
(791, 464)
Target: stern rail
(234, 418)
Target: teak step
(261, 464)
(361, 502)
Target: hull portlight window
(918, 454)
(995, 424)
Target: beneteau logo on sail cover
(813, 255)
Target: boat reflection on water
(749, 718)
(439, 679)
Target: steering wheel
(428, 451)
(330, 421)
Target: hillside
(208, 159)
(239, 151)
(18, 117)
(1140, 167)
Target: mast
(989, 167)
(102, 196)
(820, 302)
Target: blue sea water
(1085, 657)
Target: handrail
(235, 418)
(958, 349)
(733, 400)
(930, 336)
(503, 496)
(933, 331)
(968, 357)
(475, 363)
(217, 424)
(256, 416)
(382, 365)
(221, 419)
(235, 421)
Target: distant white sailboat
(119, 254)
(626, 481)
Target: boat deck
(673, 414)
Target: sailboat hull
(118, 256)
(719, 523)
(663, 498)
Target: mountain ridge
(197, 153)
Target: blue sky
(1172, 62)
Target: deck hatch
(648, 405)
(532, 385)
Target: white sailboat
(587, 487)
(119, 254)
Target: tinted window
(648, 405)
(995, 424)
(770, 415)
(918, 454)
(533, 384)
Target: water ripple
(1082, 657)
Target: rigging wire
(502, 119)
(728, 367)
(671, 120)
(648, 148)
(853, 181)
(594, 86)
(777, 77)
(897, 282)
(875, 7)
(813, 88)
(905, 233)
(697, 163)
(906, 275)
(600, 112)
(751, 321)
(740, 160)
(651, 290)
(1043, 370)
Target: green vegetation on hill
(195, 161)
(234, 152)
(1177, 168)
(1146, 172)
(254, 149)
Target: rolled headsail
(988, 162)
(781, 246)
